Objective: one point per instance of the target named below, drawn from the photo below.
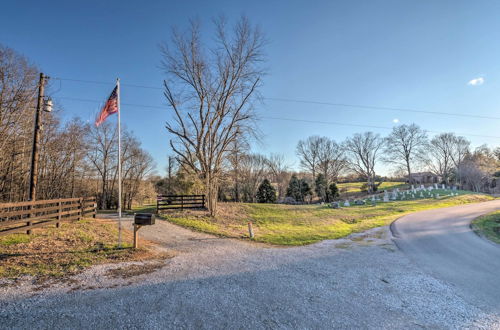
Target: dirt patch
(345, 245)
(135, 270)
(228, 214)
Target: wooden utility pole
(36, 139)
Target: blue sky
(405, 54)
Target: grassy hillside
(351, 187)
(488, 225)
(305, 224)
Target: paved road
(443, 244)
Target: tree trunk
(409, 172)
(211, 192)
(103, 195)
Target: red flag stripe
(109, 108)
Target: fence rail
(168, 202)
(24, 216)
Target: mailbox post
(141, 219)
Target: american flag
(109, 108)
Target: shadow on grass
(5, 256)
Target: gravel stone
(360, 282)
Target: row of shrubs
(298, 191)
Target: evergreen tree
(321, 188)
(293, 189)
(298, 189)
(266, 192)
(305, 190)
(334, 191)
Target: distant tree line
(76, 159)
(407, 149)
(254, 178)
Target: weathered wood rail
(25, 216)
(167, 202)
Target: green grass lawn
(355, 187)
(147, 208)
(488, 226)
(304, 224)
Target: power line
(283, 118)
(107, 83)
(357, 106)
(371, 107)
(121, 103)
(367, 126)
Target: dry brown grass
(58, 252)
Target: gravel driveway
(359, 282)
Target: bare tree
(331, 159)
(63, 151)
(461, 148)
(18, 82)
(237, 150)
(472, 174)
(405, 145)
(440, 155)
(279, 172)
(362, 151)
(172, 167)
(477, 168)
(253, 169)
(309, 151)
(103, 157)
(496, 152)
(137, 164)
(210, 91)
(18, 85)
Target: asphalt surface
(443, 244)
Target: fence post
(94, 214)
(80, 213)
(203, 201)
(182, 203)
(250, 229)
(29, 223)
(59, 215)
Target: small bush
(288, 200)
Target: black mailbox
(144, 219)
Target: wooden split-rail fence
(25, 216)
(169, 202)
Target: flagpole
(119, 167)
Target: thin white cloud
(395, 120)
(476, 81)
